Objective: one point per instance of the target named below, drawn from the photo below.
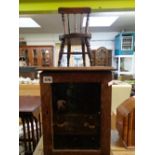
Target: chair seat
(75, 38)
(75, 35)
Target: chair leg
(83, 52)
(88, 50)
(24, 130)
(29, 134)
(68, 52)
(61, 51)
(33, 134)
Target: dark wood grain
(77, 69)
(74, 10)
(105, 114)
(101, 75)
(46, 117)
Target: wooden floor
(117, 147)
(39, 148)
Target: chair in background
(30, 116)
(74, 32)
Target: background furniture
(125, 121)
(28, 71)
(74, 32)
(37, 55)
(30, 57)
(101, 57)
(124, 53)
(125, 43)
(76, 110)
(29, 113)
(125, 65)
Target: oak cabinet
(76, 110)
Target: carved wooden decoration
(102, 57)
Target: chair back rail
(72, 19)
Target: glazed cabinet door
(36, 55)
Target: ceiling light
(27, 22)
(115, 13)
(101, 21)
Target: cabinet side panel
(46, 101)
(106, 114)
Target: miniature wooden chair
(74, 35)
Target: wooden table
(29, 112)
(29, 90)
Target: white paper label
(47, 79)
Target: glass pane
(127, 42)
(76, 115)
(35, 57)
(45, 57)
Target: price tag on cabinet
(47, 79)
